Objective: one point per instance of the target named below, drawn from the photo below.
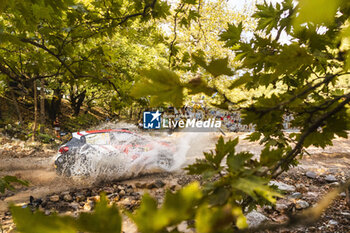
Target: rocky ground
(303, 185)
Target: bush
(77, 123)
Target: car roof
(108, 130)
(83, 133)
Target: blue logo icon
(151, 120)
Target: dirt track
(39, 170)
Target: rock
(311, 174)
(314, 188)
(74, 205)
(282, 186)
(80, 198)
(129, 190)
(330, 178)
(88, 206)
(35, 202)
(55, 198)
(121, 187)
(134, 194)
(332, 222)
(185, 227)
(122, 193)
(254, 218)
(116, 198)
(300, 186)
(159, 184)
(295, 195)
(151, 185)
(345, 214)
(47, 212)
(343, 194)
(175, 187)
(140, 185)
(67, 197)
(281, 207)
(96, 198)
(334, 184)
(124, 202)
(108, 190)
(311, 194)
(301, 204)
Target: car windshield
(98, 138)
(118, 138)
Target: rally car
(83, 146)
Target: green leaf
(199, 167)
(255, 186)
(241, 80)
(219, 67)
(104, 219)
(199, 85)
(28, 222)
(235, 162)
(241, 221)
(176, 208)
(5, 183)
(220, 196)
(267, 16)
(191, 2)
(216, 67)
(316, 11)
(222, 149)
(231, 35)
(254, 136)
(162, 86)
(145, 216)
(270, 157)
(219, 219)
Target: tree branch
(175, 33)
(297, 148)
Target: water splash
(131, 154)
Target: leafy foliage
(177, 207)
(165, 86)
(304, 77)
(232, 35)
(104, 219)
(236, 179)
(6, 183)
(297, 59)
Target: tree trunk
(55, 107)
(131, 111)
(42, 106)
(16, 106)
(77, 102)
(140, 115)
(35, 111)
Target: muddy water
(39, 171)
